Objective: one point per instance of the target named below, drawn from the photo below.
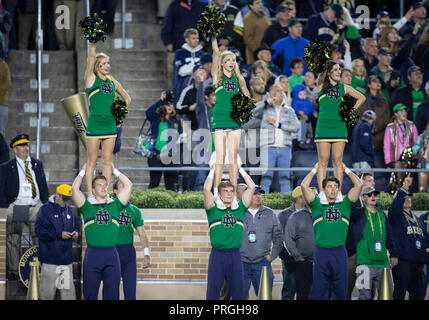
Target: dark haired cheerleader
(331, 130)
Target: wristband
(211, 174)
(347, 171)
(116, 173)
(243, 172)
(146, 251)
(314, 170)
(81, 173)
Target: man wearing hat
(23, 189)
(411, 245)
(299, 241)
(262, 241)
(362, 142)
(371, 237)
(422, 115)
(290, 47)
(412, 95)
(399, 134)
(264, 53)
(322, 26)
(288, 263)
(419, 16)
(56, 227)
(384, 70)
(279, 29)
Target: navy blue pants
(225, 264)
(127, 257)
(330, 273)
(407, 276)
(101, 264)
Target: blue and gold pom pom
(242, 108)
(347, 111)
(211, 22)
(93, 28)
(316, 56)
(119, 110)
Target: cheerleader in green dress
(331, 130)
(101, 89)
(227, 81)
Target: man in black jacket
(23, 189)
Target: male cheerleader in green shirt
(101, 224)
(225, 217)
(130, 219)
(330, 223)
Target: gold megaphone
(33, 292)
(264, 292)
(76, 107)
(385, 292)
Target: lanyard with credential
(372, 225)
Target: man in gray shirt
(299, 242)
(262, 241)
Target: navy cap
(384, 51)
(418, 5)
(413, 69)
(206, 58)
(258, 189)
(20, 139)
(196, 67)
(382, 14)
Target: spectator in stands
(422, 51)
(254, 23)
(162, 116)
(290, 47)
(245, 8)
(297, 76)
(27, 22)
(206, 99)
(422, 115)
(283, 81)
(410, 95)
(376, 102)
(421, 149)
(227, 37)
(257, 88)
(370, 54)
(5, 85)
(299, 241)
(262, 242)
(207, 62)
(279, 29)
(310, 83)
(408, 235)
(362, 142)
(399, 134)
(349, 31)
(346, 76)
(418, 18)
(66, 36)
(5, 28)
(23, 189)
(260, 69)
(321, 26)
(342, 55)
(185, 59)
(279, 124)
(288, 263)
(358, 76)
(391, 78)
(180, 15)
(383, 20)
(304, 110)
(10, 6)
(264, 53)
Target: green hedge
(161, 198)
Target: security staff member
(23, 189)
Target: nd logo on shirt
(124, 219)
(332, 215)
(102, 217)
(230, 86)
(106, 87)
(229, 220)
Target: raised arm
(307, 192)
(215, 59)
(77, 195)
(208, 195)
(247, 195)
(90, 61)
(125, 194)
(354, 192)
